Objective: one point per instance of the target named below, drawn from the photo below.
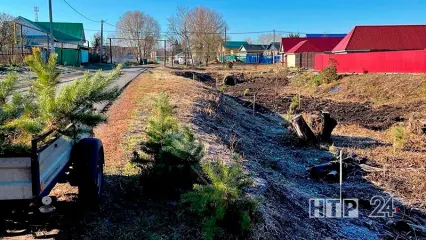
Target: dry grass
(404, 169)
(279, 170)
(122, 135)
(403, 166)
(395, 89)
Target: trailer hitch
(47, 206)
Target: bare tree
(249, 40)
(269, 38)
(207, 27)
(293, 35)
(179, 30)
(200, 32)
(6, 34)
(96, 42)
(140, 32)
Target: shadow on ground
(282, 181)
(357, 142)
(124, 214)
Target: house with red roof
(383, 38)
(379, 49)
(300, 52)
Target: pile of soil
(363, 114)
(207, 79)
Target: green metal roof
(74, 30)
(235, 44)
(62, 32)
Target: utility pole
(51, 40)
(165, 53)
(36, 9)
(173, 52)
(110, 49)
(272, 52)
(224, 50)
(101, 49)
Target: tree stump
(417, 123)
(302, 129)
(328, 125)
(314, 120)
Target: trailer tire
(89, 163)
(2, 227)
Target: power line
(231, 33)
(291, 32)
(110, 24)
(80, 13)
(234, 33)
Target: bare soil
(364, 125)
(273, 92)
(269, 93)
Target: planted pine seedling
(46, 107)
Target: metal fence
(13, 54)
(261, 59)
(375, 62)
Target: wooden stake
(254, 104)
(22, 44)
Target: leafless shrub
(329, 74)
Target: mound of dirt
(198, 76)
(363, 114)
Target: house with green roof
(69, 39)
(231, 49)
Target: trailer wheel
(2, 227)
(89, 164)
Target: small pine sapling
(398, 137)
(48, 108)
(172, 151)
(295, 103)
(222, 204)
(246, 91)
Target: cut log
(328, 125)
(370, 169)
(230, 80)
(302, 129)
(321, 170)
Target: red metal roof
(388, 37)
(317, 44)
(288, 43)
(304, 46)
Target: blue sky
(308, 16)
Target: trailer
(26, 181)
